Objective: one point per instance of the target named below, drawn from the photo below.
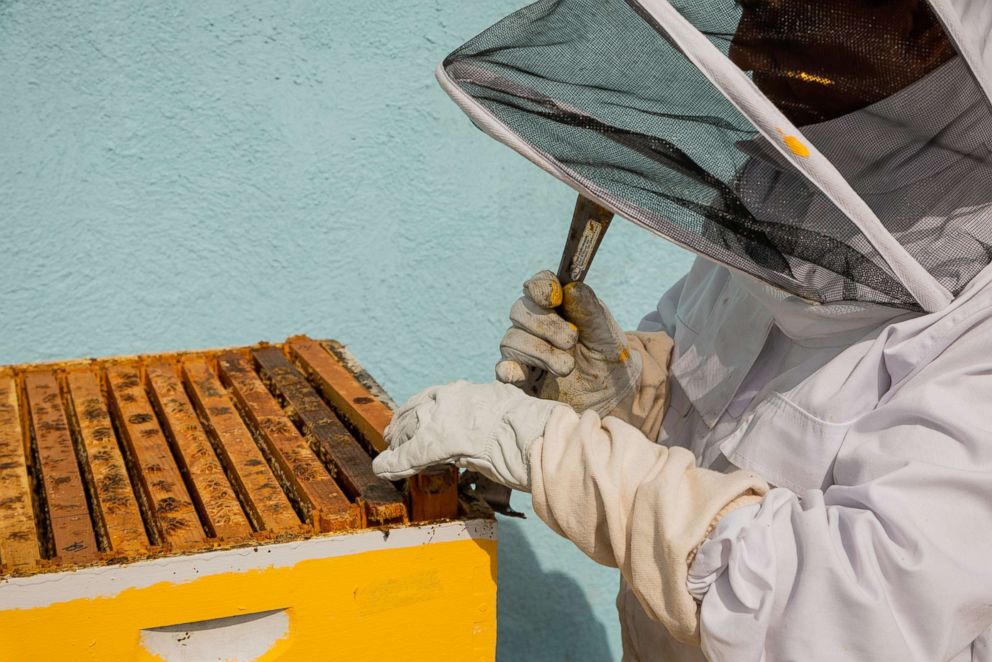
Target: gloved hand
(581, 346)
(488, 428)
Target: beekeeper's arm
(623, 500)
(894, 561)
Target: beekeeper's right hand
(569, 333)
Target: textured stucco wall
(214, 173)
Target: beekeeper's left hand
(488, 428)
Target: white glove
(584, 350)
(488, 428)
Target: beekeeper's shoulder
(963, 329)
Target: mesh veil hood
(642, 106)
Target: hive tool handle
(589, 224)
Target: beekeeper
(791, 459)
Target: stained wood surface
(268, 506)
(433, 494)
(19, 544)
(116, 507)
(325, 504)
(212, 492)
(73, 538)
(342, 389)
(166, 496)
(330, 439)
(114, 460)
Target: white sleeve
(662, 318)
(891, 562)
(713, 555)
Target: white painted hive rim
(42, 590)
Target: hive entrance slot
(241, 637)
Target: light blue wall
(222, 172)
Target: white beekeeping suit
(822, 479)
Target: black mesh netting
(598, 88)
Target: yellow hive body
(220, 505)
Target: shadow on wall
(543, 615)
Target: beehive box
(221, 505)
